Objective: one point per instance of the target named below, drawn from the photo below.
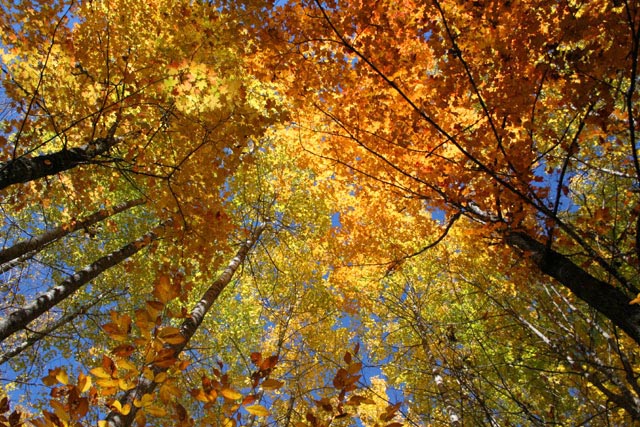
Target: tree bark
(59, 323)
(187, 329)
(608, 300)
(19, 319)
(35, 244)
(25, 169)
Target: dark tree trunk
(35, 244)
(49, 329)
(20, 319)
(608, 300)
(25, 169)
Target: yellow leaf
(147, 373)
(84, 383)
(62, 377)
(108, 382)
(168, 390)
(100, 372)
(161, 377)
(230, 394)
(57, 375)
(59, 410)
(146, 400)
(125, 384)
(271, 384)
(156, 411)
(229, 422)
(636, 300)
(126, 364)
(199, 395)
(124, 410)
(258, 410)
(171, 335)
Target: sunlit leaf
(230, 394)
(258, 410)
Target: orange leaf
(354, 368)
(171, 335)
(164, 291)
(269, 363)
(248, 399)
(256, 358)
(165, 358)
(123, 350)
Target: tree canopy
(305, 213)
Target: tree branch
(187, 329)
(608, 300)
(25, 169)
(35, 244)
(19, 319)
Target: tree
(176, 340)
(521, 116)
(423, 170)
(476, 345)
(25, 248)
(101, 111)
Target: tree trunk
(59, 323)
(19, 319)
(25, 169)
(35, 244)
(187, 329)
(608, 300)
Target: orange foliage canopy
(518, 115)
(492, 128)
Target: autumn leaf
(452, 186)
(164, 290)
(258, 410)
(146, 400)
(57, 375)
(101, 372)
(271, 384)
(156, 411)
(230, 394)
(84, 383)
(124, 410)
(168, 391)
(170, 335)
(268, 363)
